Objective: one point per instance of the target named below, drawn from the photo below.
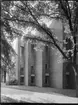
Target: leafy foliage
(6, 35)
(18, 15)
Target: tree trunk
(75, 62)
(76, 76)
(4, 76)
(77, 85)
(77, 81)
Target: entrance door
(70, 77)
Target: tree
(70, 10)
(7, 50)
(29, 13)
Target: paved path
(65, 92)
(36, 97)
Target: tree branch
(67, 12)
(48, 33)
(39, 39)
(46, 30)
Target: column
(18, 60)
(27, 55)
(39, 67)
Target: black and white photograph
(39, 51)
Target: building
(43, 68)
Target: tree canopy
(16, 15)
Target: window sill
(21, 75)
(47, 74)
(32, 74)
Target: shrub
(12, 82)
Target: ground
(36, 95)
(5, 99)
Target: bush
(12, 82)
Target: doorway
(70, 80)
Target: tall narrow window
(32, 76)
(22, 71)
(21, 75)
(32, 69)
(22, 56)
(46, 68)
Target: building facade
(41, 68)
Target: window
(21, 71)
(32, 79)
(21, 80)
(46, 68)
(32, 75)
(22, 56)
(32, 69)
(47, 80)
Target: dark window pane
(46, 79)
(46, 68)
(22, 71)
(32, 79)
(21, 80)
(32, 69)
